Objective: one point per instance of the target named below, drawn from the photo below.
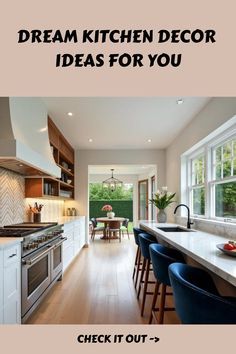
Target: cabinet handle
(12, 255)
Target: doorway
(143, 199)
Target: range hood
(24, 141)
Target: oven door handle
(63, 239)
(31, 261)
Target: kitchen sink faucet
(189, 223)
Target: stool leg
(138, 267)
(135, 263)
(154, 300)
(162, 304)
(145, 286)
(141, 276)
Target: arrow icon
(155, 339)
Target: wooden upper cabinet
(66, 150)
(63, 154)
(53, 133)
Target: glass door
(153, 208)
(143, 200)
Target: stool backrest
(144, 241)
(136, 232)
(196, 298)
(162, 257)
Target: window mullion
(208, 172)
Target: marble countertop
(68, 219)
(9, 241)
(200, 246)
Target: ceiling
(122, 123)
(121, 169)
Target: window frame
(191, 187)
(207, 148)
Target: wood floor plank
(97, 288)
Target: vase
(110, 215)
(161, 216)
(37, 217)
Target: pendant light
(112, 182)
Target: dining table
(110, 223)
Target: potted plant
(108, 209)
(161, 200)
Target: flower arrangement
(107, 207)
(163, 198)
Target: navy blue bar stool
(197, 301)
(137, 262)
(162, 257)
(145, 240)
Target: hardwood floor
(97, 288)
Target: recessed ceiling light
(20, 165)
(180, 101)
(90, 140)
(43, 129)
(149, 140)
(70, 114)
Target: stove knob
(30, 245)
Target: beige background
(28, 69)
(63, 339)
(206, 71)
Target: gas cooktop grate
(16, 232)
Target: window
(224, 179)
(197, 187)
(208, 178)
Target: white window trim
(221, 135)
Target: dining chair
(114, 228)
(197, 300)
(95, 228)
(124, 227)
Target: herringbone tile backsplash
(14, 206)
(12, 190)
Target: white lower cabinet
(75, 233)
(1, 286)
(10, 285)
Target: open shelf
(49, 187)
(70, 173)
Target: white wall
(84, 158)
(215, 113)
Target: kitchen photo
(117, 210)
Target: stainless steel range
(41, 260)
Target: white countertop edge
(202, 237)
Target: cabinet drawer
(68, 227)
(76, 233)
(69, 237)
(11, 255)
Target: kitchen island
(200, 247)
